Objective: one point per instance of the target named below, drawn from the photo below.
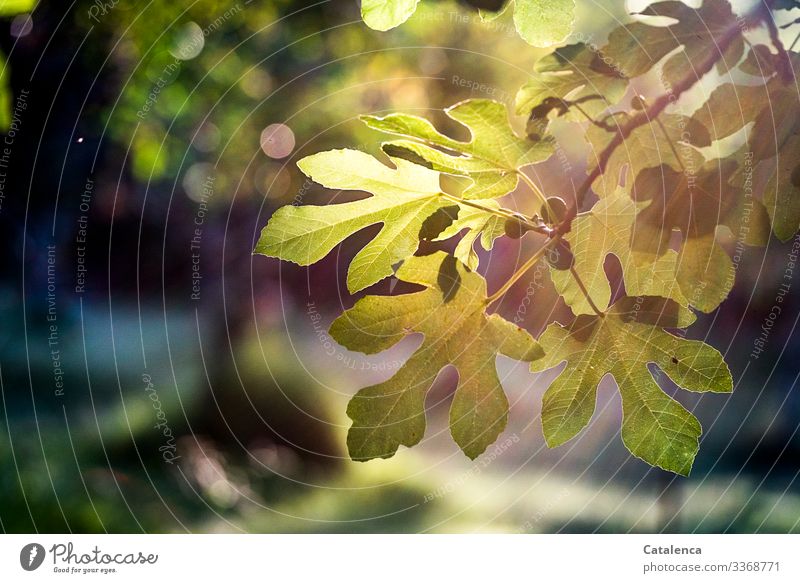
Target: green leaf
(478, 224)
(402, 199)
(748, 219)
(775, 143)
(694, 204)
(730, 108)
(605, 230)
(14, 7)
(386, 14)
(647, 146)
(407, 201)
(638, 47)
(760, 61)
(543, 23)
(450, 315)
(6, 97)
(771, 112)
(490, 158)
(574, 72)
(782, 193)
(655, 427)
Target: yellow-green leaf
(647, 146)
(694, 204)
(655, 427)
(604, 230)
(402, 199)
(386, 14)
(450, 314)
(14, 7)
(693, 35)
(575, 72)
(543, 23)
(490, 158)
(478, 224)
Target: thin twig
(671, 144)
(522, 270)
(600, 124)
(500, 212)
(794, 42)
(527, 180)
(585, 291)
(653, 111)
(762, 12)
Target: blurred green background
(181, 384)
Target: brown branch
(762, 12)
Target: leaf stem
(500, 212)
(585, 292)
(585, 114)
(794, 42)
(671, 144)
(522, 270)
(656, 108)
(536, 190)
(642, 118)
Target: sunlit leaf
(695, 35)
(760, 61)
(541, 23)
(655, 427)
(407, 201)
(604, 230)
(14, 7)
(771, 112)
(490, 158)
(544, 23)
(386, 14)
(402, 199)
(479, 225)
(450, 315)
(775, 142)
(574, 73)
(694, 204)
(730, 108)
(647, 146)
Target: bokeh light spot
(21, 25)
(198, 182)
(277, 140)
(189, 41)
